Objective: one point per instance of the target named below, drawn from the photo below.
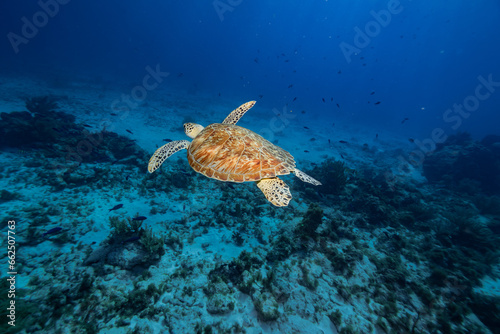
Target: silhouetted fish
(372, 93)
(168, 140)
(116, 207)
(141, 218)
(323, 99)
(305, 127)
(129, 131)
(180, 75)
(295, 98)
(378, 102)
(87, 126)
(256, 60)
(134, 238)
(113, 114)
(306, 151)
(290, 86)
(404, 120)
(343, 142)
(52, 231)
(261, 96)
(338, 106)
(411, 140)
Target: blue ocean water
(393, 106)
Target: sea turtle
(227, 152)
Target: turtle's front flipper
(237, 113)
(275, 190)
(306, 178)
(164, 152)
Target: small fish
(323, 99)
(56, 129)
(180, 75)
(331, 99)
(294, 99)
(339, 72)
(411, 140)
(303, 111)
(404, 120)
(129, 131)
(168, 140)
(305, 127)
(219, 94)
(256, 60)
(126, 177)
(87, 126)
(306, 151)
(261, 96)
(134, 238)
(343, 142)
(286, 61)
(372, 93)
(329, 141)
(141, 218)
(113, 114)
(290, 86)
(376, 136)
(378, 102)
(116, 207)
(129, 144)
(338, 106)
(52, 231)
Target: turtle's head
(192, 129)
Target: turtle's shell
(228, 152)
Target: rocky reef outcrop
(465, 164)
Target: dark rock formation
(463, 162)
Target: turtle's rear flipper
(164, 152)
(306, 178)
(275, 190)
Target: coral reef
(466, 164)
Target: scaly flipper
(275, 190)
(164, 152)
(306, 178)
(237, 113)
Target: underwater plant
(311, 221)
(332, 174)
